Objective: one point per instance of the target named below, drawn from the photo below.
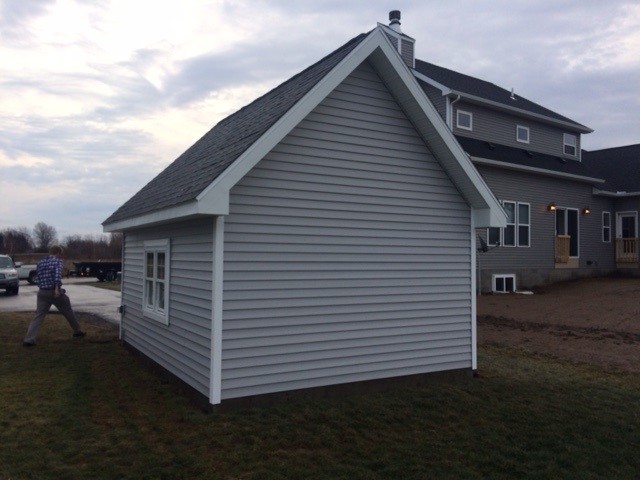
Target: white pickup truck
(27, 272)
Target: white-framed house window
(606, 227)
(570, 144)
(522, 134)
(518, 229)
(155, 300)
(464, 120)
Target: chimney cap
(394, 20)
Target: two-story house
(570, 213)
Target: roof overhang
(448, 92)
(540, 171)
(378, 50)
(604, 193)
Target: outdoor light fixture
(551, 207)
(586, 211)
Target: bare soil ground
(596, 321)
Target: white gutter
(605, 193)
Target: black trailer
(103, 271)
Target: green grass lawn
(87, 409)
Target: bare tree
(15, 240)
(44, 236)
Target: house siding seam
(182, 347)
(346, 254)
(499, 127)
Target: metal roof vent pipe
(394, 21)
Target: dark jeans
(45, 300)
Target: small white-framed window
(522, 134)
(606, 227)
(464, 120)
(503, 282)
(155, 300)
(524, 224)
(509, 232)
(570, 144)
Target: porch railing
(562, 248)
(626, 250)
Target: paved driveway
(84, 298)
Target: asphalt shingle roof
(486, 90)
(525, 158)
(619, 166)
(184, 179)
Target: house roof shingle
(459, 82)
(619, 166)
(524, 158)
(201, 164)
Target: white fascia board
(445, 90)
(539, 171)
(182, 211)
(256, 152)
(523, 113)
(440, 140)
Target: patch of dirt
(595, 321)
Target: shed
(322, 235)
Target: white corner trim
(474, 315)
(215, 375)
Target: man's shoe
(28, 344)
(79, 334)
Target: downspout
(451, 113)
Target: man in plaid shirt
(49, 271)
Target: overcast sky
(97, 97)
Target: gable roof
(619, 166)
(196, 168)
(199, 181)
(474, 89)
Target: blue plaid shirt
(49, 272)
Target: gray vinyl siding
(539, 191)
(183, 346)
(500, 127)
(407, 52)
(347, 254)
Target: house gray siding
(183, 346)
(347, 254)
(535, 265)
(500, 127)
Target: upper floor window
(570, 144)
(156, 280)
(464, 120)
(522, 134)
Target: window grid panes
(156, 276)
(518, 229)
(606, 227)
(522, 134)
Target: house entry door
(567, 224)
(627, 227)
(627, 238)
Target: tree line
(89, 247)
